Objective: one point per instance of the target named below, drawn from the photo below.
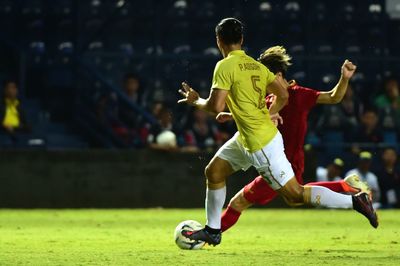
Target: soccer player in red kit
(293, 130)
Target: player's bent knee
(212, 174)
(217, 171)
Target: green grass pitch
(145, 237)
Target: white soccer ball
(186, 243)
(166, 138)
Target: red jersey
(294, 127)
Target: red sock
(229, 218)
(337, 186)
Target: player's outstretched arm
(214, 104)
(336, 95)
(279, 88)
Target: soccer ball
(186, 243)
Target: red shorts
(259, 192)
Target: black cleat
(363, 205)
(203, 235)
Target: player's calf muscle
(239, 202)
(215, 179)
(292, 192)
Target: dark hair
(370, 109)
(389, 148)
(229, 31)
(129, 76)
(8, 81)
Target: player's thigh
(272, 164)
(228, 159)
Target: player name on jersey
(249, 66)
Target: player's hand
(348, 69)
(224, 117)
(276, 119)
(189, 94)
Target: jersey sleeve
(308, 97)
(222, 78)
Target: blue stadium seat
(372, 11)
(176, 9)
(390, 137)
(144, 9)
(393, 40)
(346, 11)
(319, 11)
(61, 8)
(6, 141)
(64, 141)
(324, 74)
(332, 141)
(94, 9)
(292, 9)
(259, 11)
(32, 8)
(205, 9)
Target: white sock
(324, 197)
(215, 200)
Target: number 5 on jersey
(261, 100)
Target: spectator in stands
(368, 131)
(363, 171)
(11, 111)
(391, 96)
(388, 104)
(202, 133)
(332, 172)
(352, 107)
(163, 135)
(389, 179)
(343, 117)
(107, 108)
(107, 114)
(128, 115)
(132, 88)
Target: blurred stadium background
(97, 83)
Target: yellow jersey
(246, 80)
(11, 116)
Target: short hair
(230, 31)
(391, 148)
(370, 109)
(129, 76)
(8, 81)
(276, 59)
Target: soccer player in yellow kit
(242, 83)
